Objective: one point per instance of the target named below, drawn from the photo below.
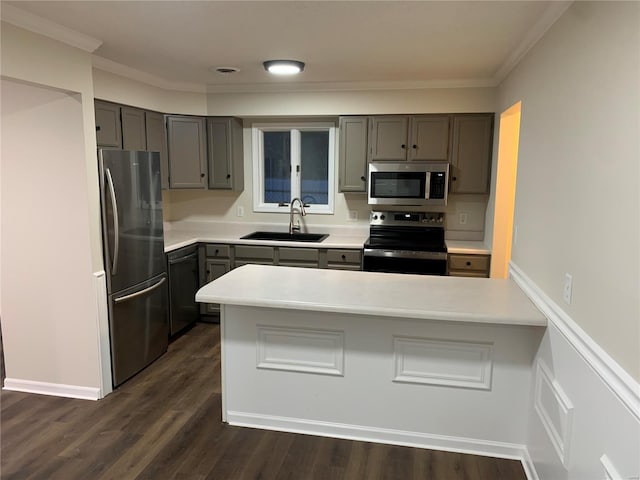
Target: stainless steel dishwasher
(183, 285)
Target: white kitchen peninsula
(437, 362)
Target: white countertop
(457, 299)
(183, 234)
(469, 247)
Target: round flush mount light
(283, 67)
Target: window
(293, 160)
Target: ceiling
(345, 44)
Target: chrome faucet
(295, 228)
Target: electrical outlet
(353, 216)
(566, 290)
(240, 211)
(463, 219)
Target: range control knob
(381, 217)
(375, 217)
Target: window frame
(294, 127)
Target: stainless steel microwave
(408, 183)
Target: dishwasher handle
(183, 259)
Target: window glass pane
(277, 171)
(314, 152)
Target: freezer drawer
(138, 327)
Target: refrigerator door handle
(116, 221)
(141, 292)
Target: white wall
(51, 243)
(48, 302)
(115, 88)
(577, 195)
(578, 211)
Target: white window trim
(258, 165)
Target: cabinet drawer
(344, 256)
(253, 251)
(217, 250)
(469, 262)
(468, 273)
(298, 254)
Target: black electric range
(406, 242)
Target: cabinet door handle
(202, 175)
(344, 257)
(414, 146)
(454, 178)
(363, 178)
(97, 128)
(228, 175)
(468, 264)
(403, 146)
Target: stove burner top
(411, 231)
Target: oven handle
(419, 255)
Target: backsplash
(465, 214)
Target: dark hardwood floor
(165, 424)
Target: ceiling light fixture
(283, 67)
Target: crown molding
(42, 26)
(552, 13)
(310, 87)
(116, 68)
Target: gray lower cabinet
(215, 268)
(353, 154)
(472, 144)
(257, 254)
(187, 150)
(225, 156)
(462, 265)
(108, 127)
(157, 142)
(297, 257)
(215, 261)
(343, 259)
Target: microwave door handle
(427, 185)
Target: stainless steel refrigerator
(133, 245)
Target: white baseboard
(54, 389)
(613, 375)
(387, 436)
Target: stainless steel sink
(286, 237)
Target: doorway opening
(507, 166)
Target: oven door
(404, 261)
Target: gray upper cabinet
(186, 139)
(388, 138)
(157, 142)
(226, 157)
(472, 143)
(429, 138)
(353, 154)
(134, 136)
(413, 138)
(108, 128)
